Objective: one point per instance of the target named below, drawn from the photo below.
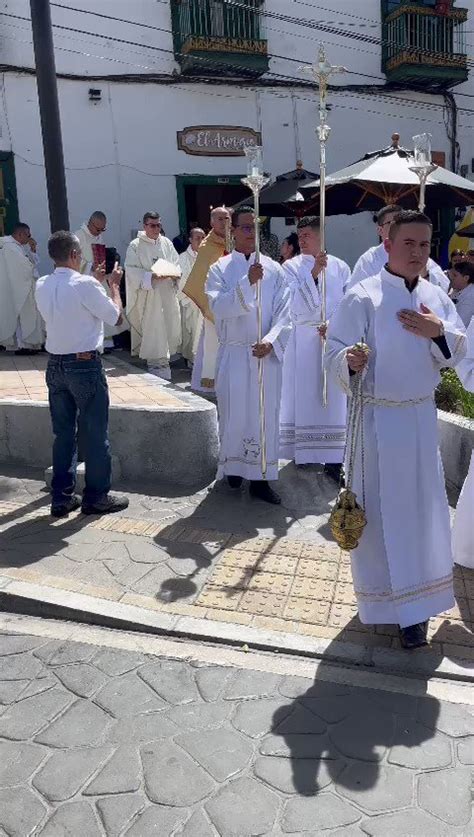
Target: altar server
(402, 567)
(231, 289)
(21, 326)
(190, 314)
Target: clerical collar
(410, 286)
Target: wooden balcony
(424, 46)
(219, 38)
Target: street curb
(39, 600)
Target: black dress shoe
(262, 490)
(234, 482)
(414, 636)
(109, 504)
(63, 509)
(334, 471)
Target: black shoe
(262, 490)
(63, 509)
(27, 352)
(414, 636)
(234, 482)
(334, 471)
(107, 505)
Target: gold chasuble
(211, 249)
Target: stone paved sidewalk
(98, 741)
(23, 377)
(213, 555)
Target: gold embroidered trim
(207, 383)
(408, 593)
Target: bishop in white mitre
(463, 529)
(21, 326)
(309, 431)
(403, 566)
(375, 258)
(152, 301)
(231, 289)
(191, 317)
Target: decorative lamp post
(423, 165)
(256, 180)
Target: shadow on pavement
(332, 724)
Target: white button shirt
(74, 308)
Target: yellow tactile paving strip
(278, 584)
(23, 377)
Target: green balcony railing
(424, 46)
(219, 36)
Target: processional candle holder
(423, 164)
(322, 72)
(256, 179)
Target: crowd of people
(281, 364)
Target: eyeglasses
(246, 228)
(152, 225)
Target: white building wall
(121, 154)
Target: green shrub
(452, 397)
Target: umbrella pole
(322, 72)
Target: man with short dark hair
(152, 302)
(190, 314)
(75, 308)
(311, 432)
(21, 327)
(402, 567)
(231, 289)
(372, 261)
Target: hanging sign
(217, 140)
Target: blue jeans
(79, 403)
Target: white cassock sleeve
(281, 323)
(303, 293)
(454, 333)
(137, 277)
(465, 368)
(346, 327)
(438, 276)
(224, 302)
(362, 269)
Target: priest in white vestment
(231, 290)
(309, 431)
(90, 233)
(21, 325)
(463, 529)
(152, 301)
(205, 349)
(191, 317)
(402, 567)
(374, 260)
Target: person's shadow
(333, 732)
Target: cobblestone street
(98, 740)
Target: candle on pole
(256, 180)
(423, 164)
(322, 72)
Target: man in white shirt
(152, 301)
(21, 327)
(374, 260)
(74, 308)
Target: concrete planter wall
(151, 445)
(456, 436)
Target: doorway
(8, 194)
(198, 193)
